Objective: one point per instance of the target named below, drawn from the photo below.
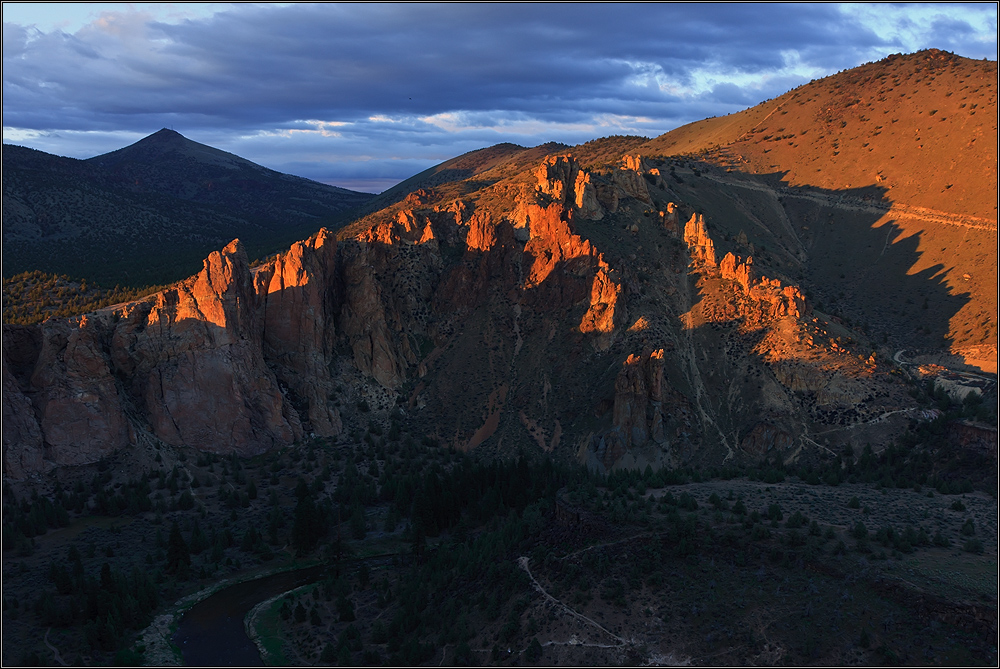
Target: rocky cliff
(561, 307)
(195, 365)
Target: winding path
(55, 651)
(608, 543)
(522, 562)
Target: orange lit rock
(195, 358)
(562, 180)
(733, 269)
(629, 178)
(700, 245)
(299, 313)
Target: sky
(364, 96)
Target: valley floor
(433, 558)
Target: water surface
(211, 633)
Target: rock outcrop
(194, 358)
(562, 179)
(638, 416)
(671, 219)
(629, 177)
(364, 320)
(779, 300)
(188, 365)
(296, 293)
(768, 299)
(741, 272)
(763, 438)
(77, 402)
(648, 417)
(496, 306)
(23, 447)
(700, 245)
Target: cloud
(316, 85)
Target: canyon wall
(505, 317)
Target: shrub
(973, 546)
(941, 540)
(796, 520)
(534, 652)
(186, 501)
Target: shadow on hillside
(853, 262)
(843, 247)
(533, 364)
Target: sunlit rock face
(194, 357)
(582, 312)
(295, 292)
(185, 365)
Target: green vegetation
(32, 297)
(423, 544)
(445, 532)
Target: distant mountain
(150, 212)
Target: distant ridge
(148, 213)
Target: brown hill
(913, 138)
(474, 170)
(921, 126)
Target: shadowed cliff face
(582, 312)
(296, 293)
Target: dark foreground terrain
(436, 557)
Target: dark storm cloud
(419, 82)
(264, 64)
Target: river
(211, 633)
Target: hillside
(905, 150)
(474, 170)
(148, 213)
(923, 127)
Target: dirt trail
(853, 204)
(522, 562)
(55, 651)
(608, 543)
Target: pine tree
(307, 530)
(178, 555)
